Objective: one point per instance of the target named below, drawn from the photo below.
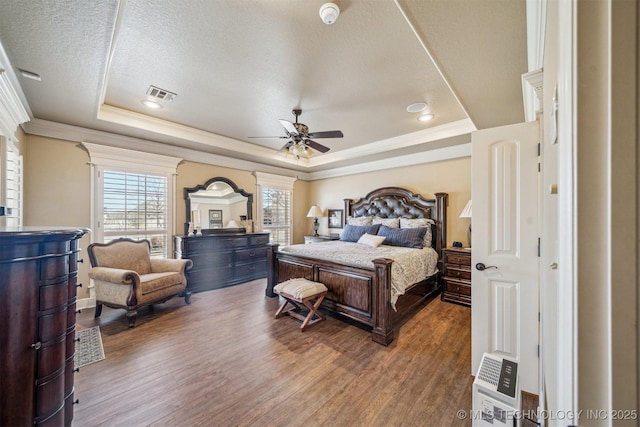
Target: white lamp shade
(314, 212)
(232, 224)
(466, 212)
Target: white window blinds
(133, 196)
(276, 214)
(13, 185)
(275, 205)
(135, 206)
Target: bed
(365, 291)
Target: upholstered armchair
(125, 276)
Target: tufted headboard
(396, 202)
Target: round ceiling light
(417, 107)
(151, 104)
(426, 117)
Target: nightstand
(456, 277)
(321, 238)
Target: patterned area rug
(89, 349)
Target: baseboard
(85, 303)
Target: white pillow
(371, 240)
(389, 222)
(361, 220)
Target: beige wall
(57, 190)
(57, 180)
(191, 174)
(448, 176)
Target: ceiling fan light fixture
(329, 13)
(307, 152)
(417, 107)
(426, 117)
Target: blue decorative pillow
(420, 222)
(352, 233)
(405, 237)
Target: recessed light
(151, 104)
(417, 107)
(426, 117)
(30, 75)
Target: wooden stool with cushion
(301, 291)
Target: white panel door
(505, 297)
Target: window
(275, 204)
(133, 197)
(276, 214)
(11, 173)
(135, 206)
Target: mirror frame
(188, 190)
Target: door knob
(481, 267)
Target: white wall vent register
(496, 392)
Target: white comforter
(409, 265)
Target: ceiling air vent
(161, 94)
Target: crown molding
(447, 130)
(440, 154)
(532, 85)
(536, 29)
(274, 181)
(135, 120)
(123, 158)
(12, 107)
(77, 134)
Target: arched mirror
(218, 205)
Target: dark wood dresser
(38, 279)
(456, 277)
(221, 260)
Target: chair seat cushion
(300, 288)
(154, 282)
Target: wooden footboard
(362, 294)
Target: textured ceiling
(237, 66)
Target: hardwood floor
(225, 361)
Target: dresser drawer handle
(36, 346)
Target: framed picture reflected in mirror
(336, 218)
(215, 218)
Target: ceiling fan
(299, 137)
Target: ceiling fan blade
(321, 148)
(327, 134)
(289, 127)
(268, 137)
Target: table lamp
(466, 213)
(314, 213)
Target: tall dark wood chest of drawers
(456, 280)
(221, 260)
(38, 279)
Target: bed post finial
(347, 209)
(442, 200)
